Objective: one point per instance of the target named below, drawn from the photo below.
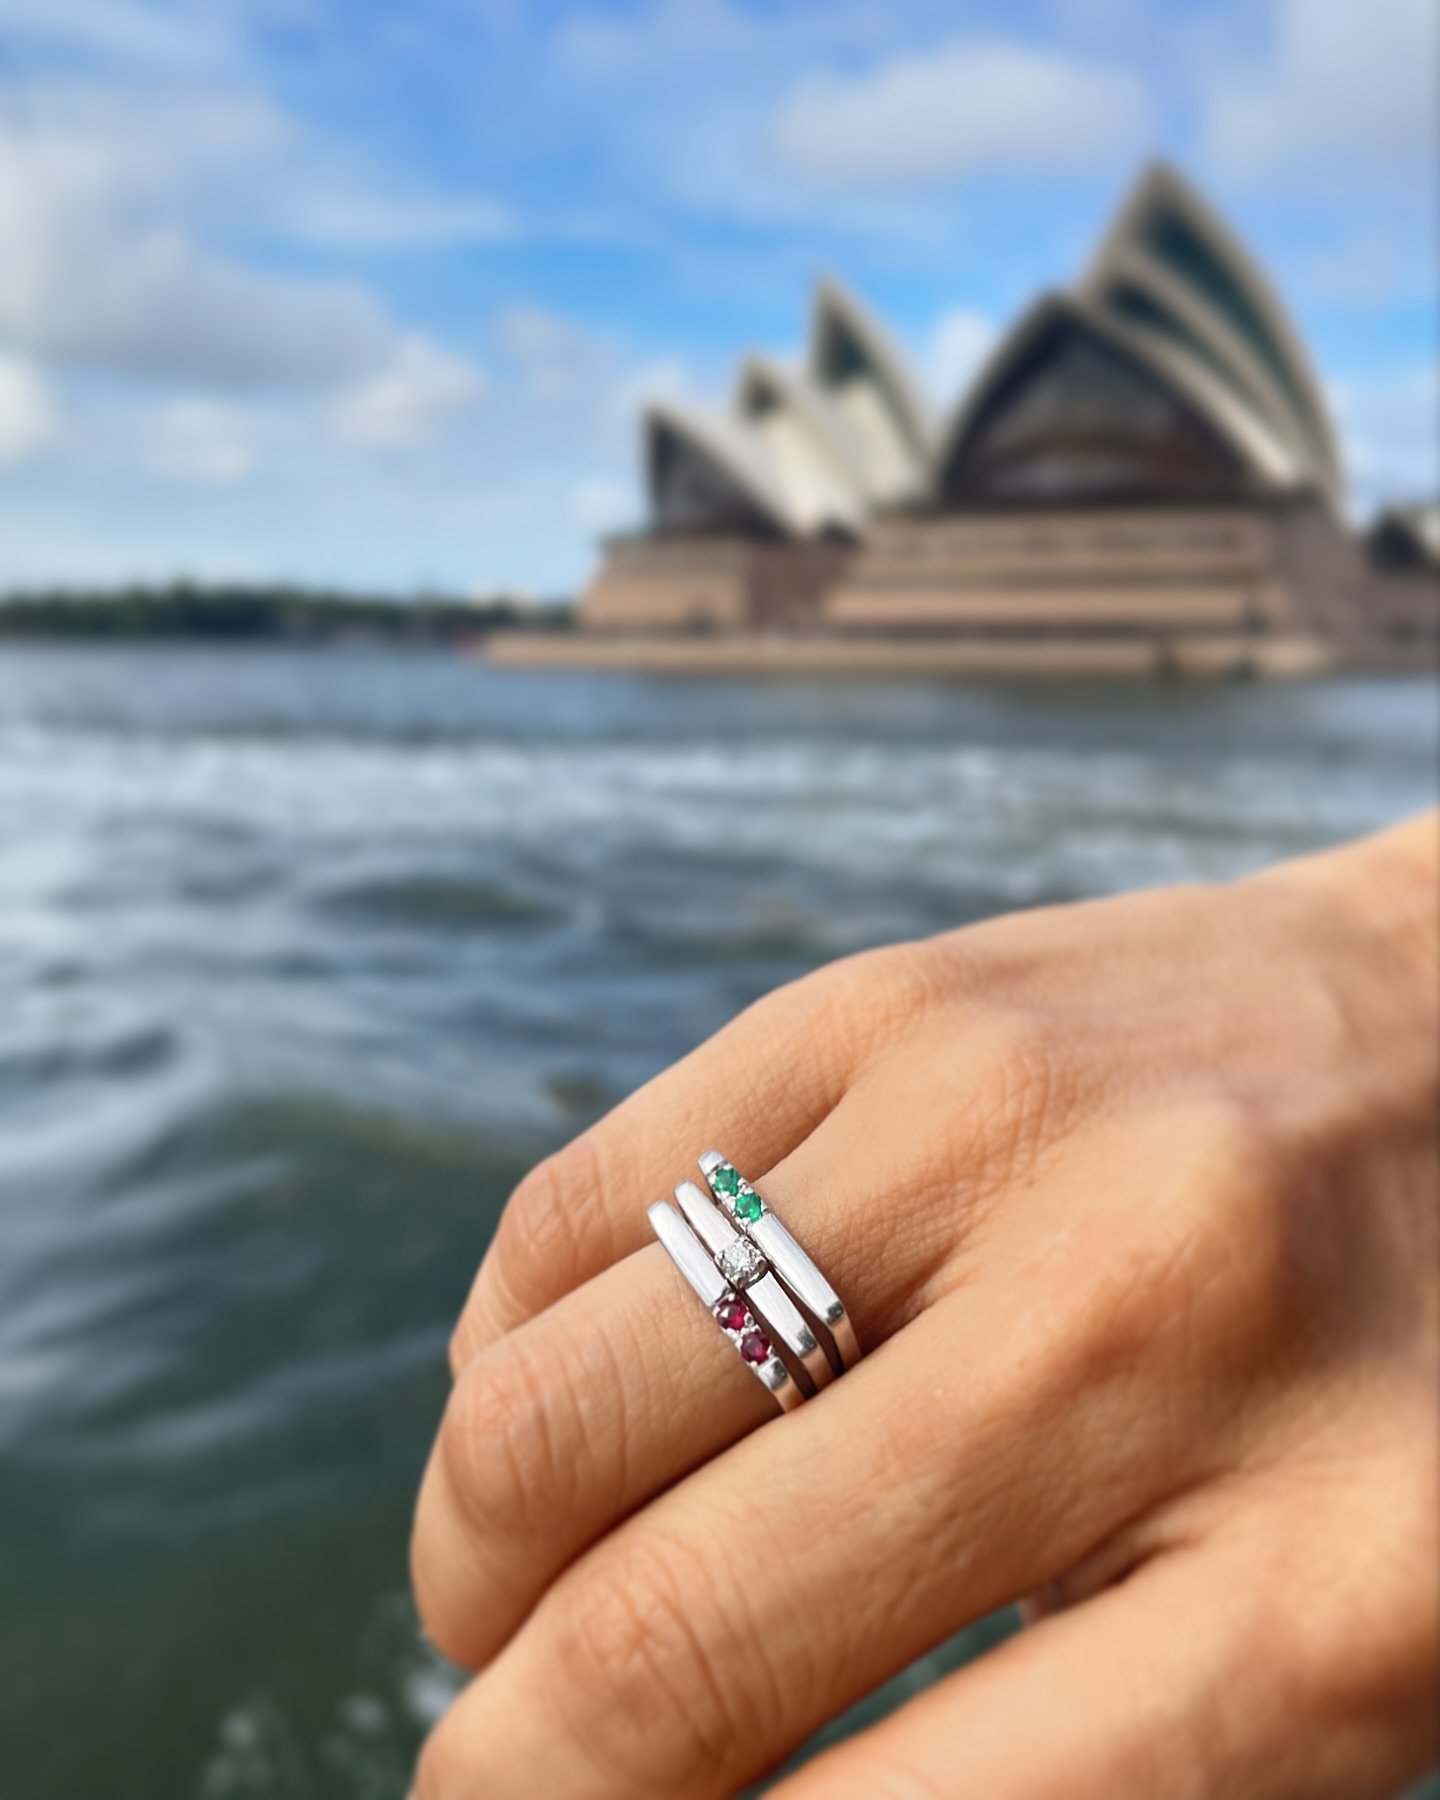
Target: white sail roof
(1172, 270)
(1173, 348)
(1162, 399)
(704, 471)
(812, 456)
(855, 364)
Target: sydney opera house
(1142, 479)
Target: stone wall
(710, 584)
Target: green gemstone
(726, 1180)
(749, 1206)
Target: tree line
(240, 611)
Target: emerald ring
(747, 1270)
(784, 1256)
(730, 1309)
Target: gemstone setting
(737, 1193)
(741, 1263)
(755, 1347)
(732, 1315)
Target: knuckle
(1216, 1272)
(640, 1678)
(1020, 1056)
(1360, 1650)
(874, 996)
(440, 1772)
(461, 1347)
(1314, 1680)
(497, 1441)
(1236, 1249)
(540, 1247)
(1012, 1105)
(538, 1241)
(1191, 1276)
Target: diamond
(741, 1263)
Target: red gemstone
(732, 1314)
(754, 1347)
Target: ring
(746, 1269)
(784, 1255)
(729, 1311)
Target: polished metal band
(731, 1310)
(796, 1270)
(745, 1268)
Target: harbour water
(305, 956)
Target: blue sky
(370, 294)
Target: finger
(1176, 1683)
(698, 1643)
(567, 1424)
(558, 1431)
(759, 1087)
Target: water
(304, 957)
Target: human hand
(1135, 1207)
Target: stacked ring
(745, 1268)
(725, 1306)
(784, 1255)
(763, 1291)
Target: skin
(1136, 1205)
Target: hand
(1135, 1207)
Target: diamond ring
(794, 1268)
(745, 1268)
(730, 1309)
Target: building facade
(1143, 477)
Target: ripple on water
(442, 903)
(304, 959)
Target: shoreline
(1288, 658)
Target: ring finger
(567, 1424)
(957, 1467)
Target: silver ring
(730, 1310)
(747, 1271)
(784, 1255)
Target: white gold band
(730, 1310)
(744, 1266)
(795, 1268)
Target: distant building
(755, 512)
(1402, 548)
(1143, 477)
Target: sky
(353, 293)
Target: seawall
(1051, 658)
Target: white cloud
(29, 418)
(559, 375)
(154, 35)
(203, 441)
(108, 199)
(422, 390)
(155, 305)
(680, 38)
(958, 344)
(117, 29)
(1389, 433)
(1345, 81)
(970, 104)
(347, 220)
(679, 99)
